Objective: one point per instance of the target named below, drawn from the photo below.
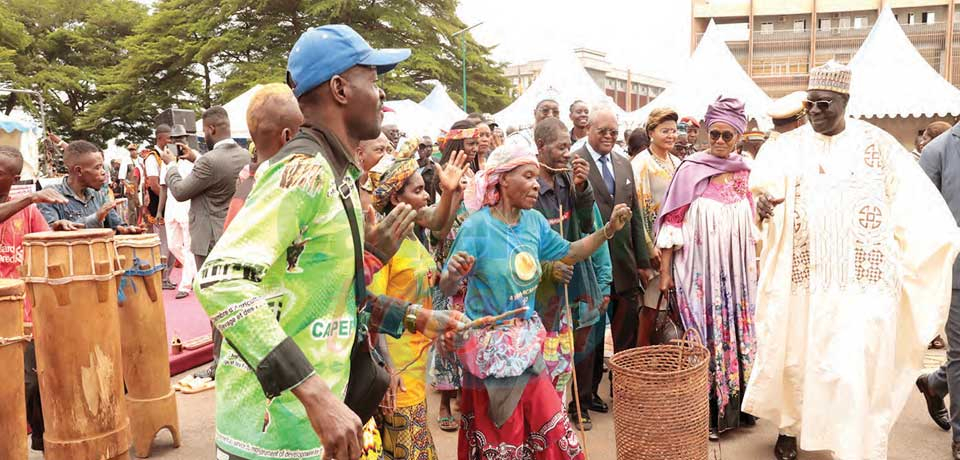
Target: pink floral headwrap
(483, 191)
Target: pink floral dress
(715, 272)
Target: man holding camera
(176, 215)
(209, 187)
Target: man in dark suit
(611, 178)
(209, 187)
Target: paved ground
(914, 437)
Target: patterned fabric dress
(445, 372)
(716, 279)
(498, 360)
(409, 276)
(653, 179)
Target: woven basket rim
(695, 350)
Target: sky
(647, 36)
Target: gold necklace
(504, 218)
(672, 167)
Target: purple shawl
(691, 179)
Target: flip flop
(191, 385)
(448, 424)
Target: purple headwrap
(691, 179)
(729, 111)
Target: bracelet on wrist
(605, 235)
(410, 319)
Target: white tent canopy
(20, 130)
(890, 78)
(439, 102)
(237, 111)
(562, 79)
(413, 119)
(712, 71)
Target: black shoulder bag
(369, 378)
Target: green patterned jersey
(279, 285)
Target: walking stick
(573, 351)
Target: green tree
(196, 53)
(63, 48)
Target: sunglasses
(821, 105)
(608, 132)
(726, 135)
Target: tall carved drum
(13, 416)
(72, 280)
(146, 366)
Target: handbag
(666, 329)
(369, 379)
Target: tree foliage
(64, 50)
(196, 53)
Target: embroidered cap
(831, 76)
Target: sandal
(448, 424)
(584, 424)
(938, 344)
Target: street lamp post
(463, 49)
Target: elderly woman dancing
(509, 407)
(708, 252)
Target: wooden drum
(146, 366)
(13, 416)
(72, 281)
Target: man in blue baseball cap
(283, 284)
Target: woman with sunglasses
(708, 254)
(653, 168)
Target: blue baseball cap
(325, 51)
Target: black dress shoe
(935, 407)
(36, 443)
(598, 405)
(786, 448)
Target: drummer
(86, 206)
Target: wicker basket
(661, 401)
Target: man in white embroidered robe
(855, 278)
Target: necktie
(607, 175)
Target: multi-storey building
(628, 89)
(784, 39)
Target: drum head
(85, 234)
(145, 240)
(11, 287)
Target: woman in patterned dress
(463, 136)
(510, 408)
(654, 167)
(708, 252)
(409, 275)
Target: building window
(929, 17)
(844, 23)
(800, 26)
(766, 28)
(860, 22)
(824, 24)
(911, 19)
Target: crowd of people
(349, 268)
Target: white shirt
(224, 142)
(151, 165)
(176, 211)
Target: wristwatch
(410, 319)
